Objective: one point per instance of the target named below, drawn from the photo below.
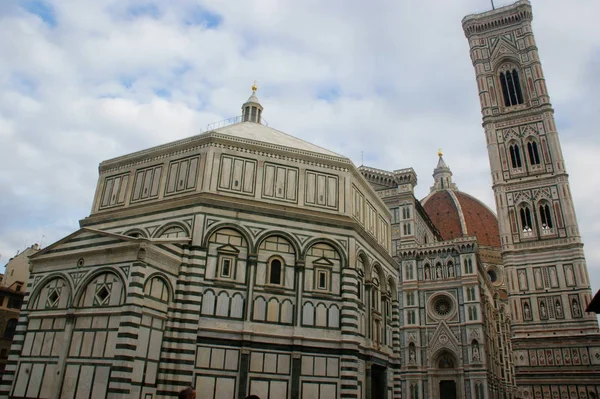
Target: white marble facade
(244, 260)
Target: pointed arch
(514, 150)
(444, 358)
(545, 215)
(533, 151)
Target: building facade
(246, 261)
(220, 261)
(556, 344)
(12, 291)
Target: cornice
(236, 204)
(511, 15)
(518, 117)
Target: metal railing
(229, 121)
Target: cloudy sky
(83, 81)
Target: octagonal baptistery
(457, 214)
(240, 261)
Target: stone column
(299, 285)
(250, 280)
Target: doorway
(447, 389)
(378, 382)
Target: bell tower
(547, 277)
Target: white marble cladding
(318, 184)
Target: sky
(387, 82)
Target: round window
(492, 275)
(442, 306)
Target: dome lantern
(442, 176)
(252, 110)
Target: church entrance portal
(447, 389)
(378, 382)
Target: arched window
(545, 217)
(468, 266)
(515, 156)
(479, 391)
(511, 86)
(534, 156)
(470, 293)
(414, 391)
(11, 327)
(525, 214)
(275, 272)
(410, 298)
(412, 318)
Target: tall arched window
(545, 216)
(525, 214)
(275, 272)
(534, 156)
(468, 266)
(511, 86)
(515, 156)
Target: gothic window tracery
(410, 298)
(545, 216)
(515, 156)
(525, 214)
(414, 391)
(511, 85)
(468, 266)
(532, 150)
(411, 316)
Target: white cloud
(393, 80)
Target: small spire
(440, 152)
(254, 87)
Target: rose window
(442, 306)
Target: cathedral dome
(456, 214)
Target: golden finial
(254, 87)
(440, 153)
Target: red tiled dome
(445, 208)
